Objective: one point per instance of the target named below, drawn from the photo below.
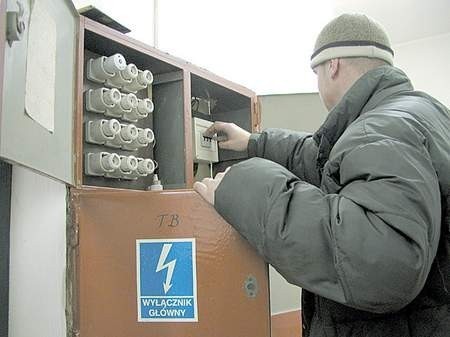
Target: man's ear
(333, 68)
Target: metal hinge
(15, 21)
(75, 333)
(251, 286)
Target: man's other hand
(207, 187)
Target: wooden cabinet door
(231, 279)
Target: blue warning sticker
(166, 280)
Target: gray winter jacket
(353, 213)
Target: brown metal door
(232, 281)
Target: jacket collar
(365, 94)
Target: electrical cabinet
(178, 93)
(114, 119)
(147, 263)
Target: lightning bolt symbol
(170, 266)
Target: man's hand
(207, 187)
(236, 138)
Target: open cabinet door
(36, 119)
(161, 264)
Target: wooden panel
(288, 324)
(256, 115)
(109, 224)
(188, 130)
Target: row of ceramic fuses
(111, 102)
(113, 71)
(113, 165)
(114, 134)
(111, 133)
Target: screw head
(20, 26)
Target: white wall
(37, 256)
(263, 45)
(425, 61)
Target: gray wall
(300, 112)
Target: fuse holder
(145, 167)
(127, 103)
(143, 109)
(101, 99)
(101, 131)
(103, 68)
(145, 137)
(126, 169)
(101, 163)
(142, 81)
(127, 134)
(128, 164)
(123, 77)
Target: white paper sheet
(41, 64)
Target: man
(357, 214)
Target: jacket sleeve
(369, 247)
(296, 151)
